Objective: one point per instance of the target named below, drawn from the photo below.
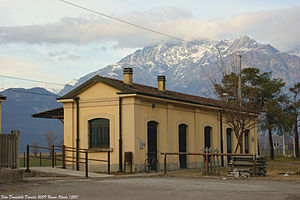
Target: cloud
(63, 55)
(278, 27)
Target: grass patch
(282, 165)
(35, 161)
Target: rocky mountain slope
(189, 67)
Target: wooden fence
(9, 150)
(211, 159)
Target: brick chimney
(127, 75)
(161, 81)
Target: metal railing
(211, 161)
(65, 158)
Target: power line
(31, 80)
(126, 22)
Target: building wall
(101, 101)
(98, 101)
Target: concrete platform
(44, 171)
(11, 175)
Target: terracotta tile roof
(143, 90)
(57, 113)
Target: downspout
(221, 136)
(77, 132)
(120, 135)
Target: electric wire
(31, 80)
(126, 22)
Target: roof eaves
(90, 82)
(170, 98)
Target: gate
(9, 150)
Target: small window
(229, 140)
(247, 141)
(99, 133)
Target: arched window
(99, 133)
(207, 137)
(246, 141)
(182, 144)
(229, 140)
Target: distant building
(126, 117)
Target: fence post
(165, 163)
(108, 162)
(40, 159)
(206, 160)
(254, 164)
(214, 161)
(52, 156)
(55, 158)
(64, 157)
(203, 160)
(17, 147)
(218, 163)
(86, 165)
(27, 170)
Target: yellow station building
(122, 116)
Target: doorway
(182, 145)
(152, 142)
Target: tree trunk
(283, 145)
(241, 144)
(271, 144)
(296, 137)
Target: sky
(53, 41)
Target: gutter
(77, 132)
(120, 136)
(221, 137)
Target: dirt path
(154, 188)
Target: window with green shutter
(99, 133)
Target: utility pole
(239, 78)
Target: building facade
(121, 116)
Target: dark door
(182, 145)
(207, 130)
(229, 142)
(152, 141)
(207, 139)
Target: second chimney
(127, 73)
(161, 81)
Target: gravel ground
(154, 188)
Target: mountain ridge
(189, 67)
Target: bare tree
(34, 150)
(240, 118)
(50, 138)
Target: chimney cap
(127, 70)
(161, 78)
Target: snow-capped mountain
(189, 67)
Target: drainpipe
(77, 132)
(221, 136)
(120, 135)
